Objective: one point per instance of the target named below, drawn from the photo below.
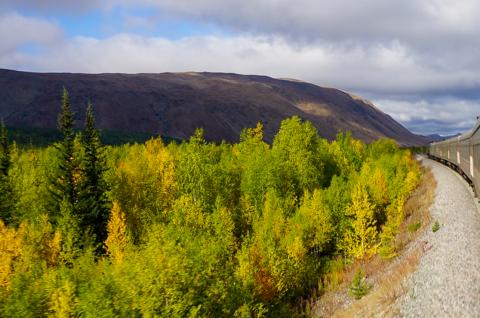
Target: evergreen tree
(5, 187)
(64, 185)
(93, 201)
(4, 150)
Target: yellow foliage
(188, 213)
(148, 173)
(387, 241)
(395, 216)
(411, 181)
(296, 250)
(339, 156)
(160, 164)
(248, 210)
(316, 223)
(257, 132)
(273, 214)
(117, 239)
(254, 134)
(361, 239)
(39, 243)
(395, 211)
(54, 248)
(378, 187)
(10, 250)
(358, 146)
(225, 226)
(62, 301)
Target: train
(461, 153)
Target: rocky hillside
(174, 104)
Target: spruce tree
(64, 185)
(93, 201)
(5, 187)
(4, 150)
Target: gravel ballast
(447, 280)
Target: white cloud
(381, 68)
(49, 6)
(389, 51)
(444, 115)
(17, 30)
(325, 19)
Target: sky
(418, 61)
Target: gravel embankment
(447, 280)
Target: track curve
(447, 280)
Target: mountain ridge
(175, 104)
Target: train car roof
(475, 131)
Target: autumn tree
(295, 151)
(144, 184)
(197, 229)
(62, 301)
(361, 238)
(195, 173)
(117, 239)
(312, 222)
(349, 153)
(10, 250)
(254, 158)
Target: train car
(462, 154)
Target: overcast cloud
(419, 61)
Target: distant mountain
(174, 104)
(437, 137)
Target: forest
(192, 228)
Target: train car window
(471, 166)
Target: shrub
(359, 286)
(435, 226)
(414, 226)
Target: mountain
(175, 104)
(437, 137)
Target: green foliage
(255, 161)
(197, 229)
(387, 249)
(435, 227)
(93, 202)
(64, 183)
(6, 194)
(4, 150)
(35, 137)
(78, 191)
(359, 287)
(295, 152)
(31, 173)
(413, 227)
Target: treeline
(43, 137)
(194, 228)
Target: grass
(388, 278)
(359, 287)
(435, 227)
(414, 226)
(389, 286)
